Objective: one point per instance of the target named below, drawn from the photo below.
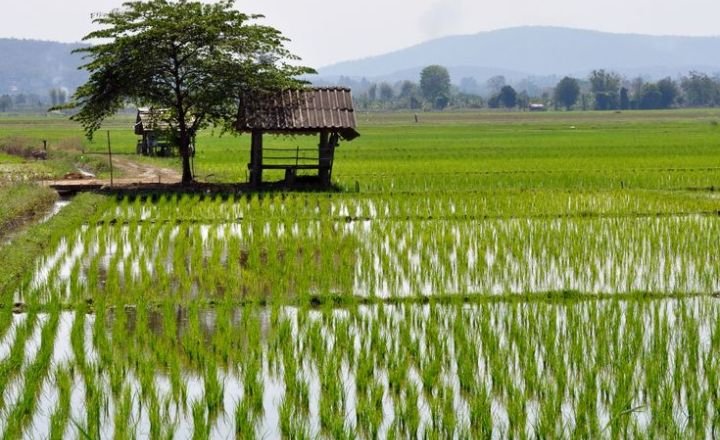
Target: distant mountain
(541, 51)
(30, 66)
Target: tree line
(31, 102)
(601, 90)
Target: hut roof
(150, 119)
(301, 111)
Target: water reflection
(589, 369)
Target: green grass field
(465, 151)
(479, 275)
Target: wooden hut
(325, 112)
(156, 135)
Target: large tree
(700, 90)
(604, 86)
(507, 97)
(669, 91)
(650, 97)
(435, 85)
(197, 61)
(567, 92)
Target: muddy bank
(35, 238)
(23, 206)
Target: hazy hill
(30, 66)
(543, 51)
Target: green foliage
(602, 81)
(660, 95)
(18, 259)
(624, 98)
(668, 91)
(199, 61)
(24, 158)
(386, 92)
(650, 97)
(22, 203)
(567, 92)
(700, 90)
(435, 85)
(604, 85)
(491, 275)
(508, 97)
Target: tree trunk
(187, 176)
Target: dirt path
(133, 173)
(145, 172)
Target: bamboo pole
(110, 158)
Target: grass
(480, 275)
(19, 259)
(463, 151)
(8, 159)
(18, 162)
(23, 203)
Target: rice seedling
(245, 421)
(11, 366)
(447, 294)
(60, 417)
(34, 376)
(609, 368)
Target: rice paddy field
(476, 275)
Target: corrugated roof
(301, 111)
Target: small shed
(325, 112)
(156, 135)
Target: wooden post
(324, 159)
(256, 155)
(110, 158)
(333, 143)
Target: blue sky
(328, 31)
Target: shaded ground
(142, 178)
(145, 172)
(133, 173)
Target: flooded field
(602, 369)
(475, 275)
(286, 259)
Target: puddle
(56, 208)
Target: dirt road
(144, 172)
(132, 172)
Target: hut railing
(301, 155)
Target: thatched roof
(302, 111)
(150, 119)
